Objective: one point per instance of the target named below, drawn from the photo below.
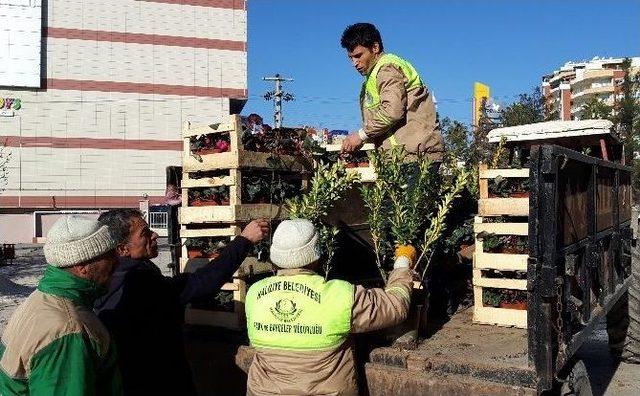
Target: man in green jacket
(397, 107)
(54, 344)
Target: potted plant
(209, 196)
(504, 187)
(328, 185)
(205, 247)
(407, 207)
(211, 143)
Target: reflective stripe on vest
(299, 312)
(370, 86)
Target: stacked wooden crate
(491, 212)
(364, 169)
(224, 220)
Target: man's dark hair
(119, 223)
(364, 34)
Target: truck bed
(459, 358)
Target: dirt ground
(19, 279)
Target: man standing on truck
(144, 310)
(300, 323)
(397, 108)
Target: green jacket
(55, 345)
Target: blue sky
(508, 45)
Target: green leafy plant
(328, 184)
(403, 205)
(209, 195)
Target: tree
(480, 149)
(528, 109)
(5, 156)
(627, 109)
(596, 109)
(456, 139)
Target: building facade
(100, 121)
(568, 89)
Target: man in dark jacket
(144, 310)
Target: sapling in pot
(407, 206)
(328, 185)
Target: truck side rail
(579, 234)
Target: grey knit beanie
(295, 244)
(73, 240)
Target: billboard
(480, 92)
(20, 38)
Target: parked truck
(579, 272)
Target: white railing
(158, 222)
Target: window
(20, 37)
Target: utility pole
(278, 96)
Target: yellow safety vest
(299, 312)
(369, 94)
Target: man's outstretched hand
(352, 143)
(256, 231)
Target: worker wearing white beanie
(295, 244)
(54, 343)
(300, 323)
(73, 240)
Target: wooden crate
(502, 262)
(250, 266)
(236, 157)
(238, 285)
(231, 320)
(500, 206)
(368, 173)
(235, 211)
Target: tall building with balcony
(568, 89)
(94, 94)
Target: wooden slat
(210, 232)
(521, 229)
(500, 261)
(230, 286)
(208, 181)
(242, 159)
(493, 173)
(501, 283)
(500, 316)
(483, 184)
(338, 147)
(503, 207)
(228, 125)
(230, 213)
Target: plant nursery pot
(208, 151)
(520, 305)
(194, 253)
(520, 194)
(350, 165)
(405, 335)
(224, 202)
(363, 164)
(199, 202)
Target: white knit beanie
(295, 244)
(73, 240)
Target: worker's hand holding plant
(406, 256)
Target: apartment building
(94, 94)
(569, 88)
